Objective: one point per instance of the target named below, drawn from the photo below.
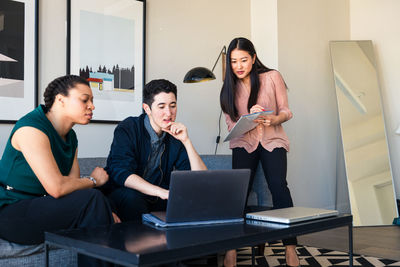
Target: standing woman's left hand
(272, 120)
(268, 120)
(177, 130)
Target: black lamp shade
(198, 74)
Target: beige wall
(379, 21)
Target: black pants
(26, 221)
(130, 204)
(274, 165)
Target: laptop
(204, 197)
(291, 215)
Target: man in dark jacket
(144, 152)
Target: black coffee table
(137, 244)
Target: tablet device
(245, 124)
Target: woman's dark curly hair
(61, 85)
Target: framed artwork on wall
(106, 46)
(18, 58)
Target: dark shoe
(260, 248)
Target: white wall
(182, 34)
(5, 130)
(293, 37)
(94, 139)
(378, 20)
(264, 30)
(304, 31)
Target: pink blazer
(272, 96)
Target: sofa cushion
(9, 249)
(57, 257)
(87, 165)
(212, 162)
(217, 162)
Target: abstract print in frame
(106, 47)
(18, 58)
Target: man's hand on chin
(177, 130)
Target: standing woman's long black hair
(227, 96)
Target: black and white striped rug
(309, 257)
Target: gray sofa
(15, 255)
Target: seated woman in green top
(40, 185)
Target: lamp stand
(223, 54)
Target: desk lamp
(201, 74)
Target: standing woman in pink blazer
(251, 87)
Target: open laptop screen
(207, 195)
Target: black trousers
(274, 165)
(130, 204)
(25, 221)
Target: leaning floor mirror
(368, 171)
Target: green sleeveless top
(15, 170)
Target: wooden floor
(376, 241)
